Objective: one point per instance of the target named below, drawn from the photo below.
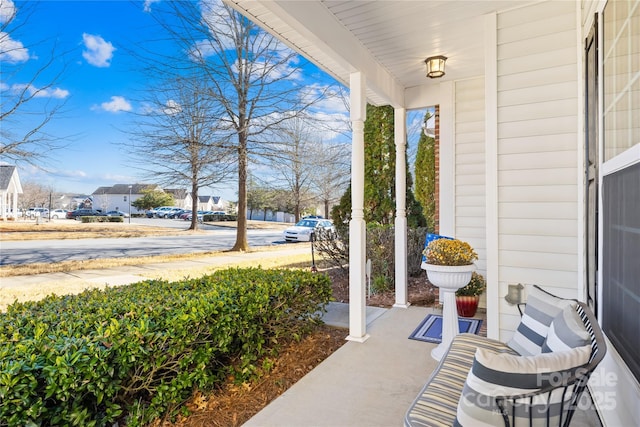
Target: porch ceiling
(387, 40)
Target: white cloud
(50, 93)
(7, 11)
(98, 51)
(12, 51)
(117, 104)
(36, 92)
(148, 3)
(331, 126)
(325, 98)
(72, 173)
(172, 107)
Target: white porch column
(491, 173)
(3, 204)
(15, 202)
(357, 226)
(400, 120)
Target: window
(621, 59)
(621, 269)
(621, 179)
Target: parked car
(83, 212)
(301, 232)
(34, 213)
(117, 213)
(58, 213)
(161, 212)
(176, 214)
(199, 214)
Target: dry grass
(69, 229)
(69, 282)
(72, 284)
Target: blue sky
(99, 86)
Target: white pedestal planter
(449, 279)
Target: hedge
(133, 353)
(214, 218)
(86, 219)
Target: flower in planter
(449, 252)
(476, 286)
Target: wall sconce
(515, 296)
(435, 66)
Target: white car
(58, 214)
(301, 232)
(34, 213)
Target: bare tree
(333, 174)
(295, 161)
(177, 138)
(35, 195)
(27, 106)
(249, 72)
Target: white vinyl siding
(470, 212)
(538, 125)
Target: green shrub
(87, 219)
(136, 352)
(214, 218)
(380, 284)
(380, 249)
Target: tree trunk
(242, 245)
(194, 207)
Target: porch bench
(536, 379)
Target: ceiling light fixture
(435, 66)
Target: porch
(366, 384)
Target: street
(50, 251)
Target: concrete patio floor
(361, 384)
(366, 384)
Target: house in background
(119, 197)
(10, 187)
(538, 143)
(211, 203)
(182, 198)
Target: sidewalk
(39, 285)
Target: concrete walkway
(361, 384)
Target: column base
(358, 339)
(402, 305)
(438, 352)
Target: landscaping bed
(135, 353)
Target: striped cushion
(540, 311)
(437, 402)
(496, 374)
(566, 331)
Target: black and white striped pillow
(567, 331)
(540, 311)
(501, 374)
